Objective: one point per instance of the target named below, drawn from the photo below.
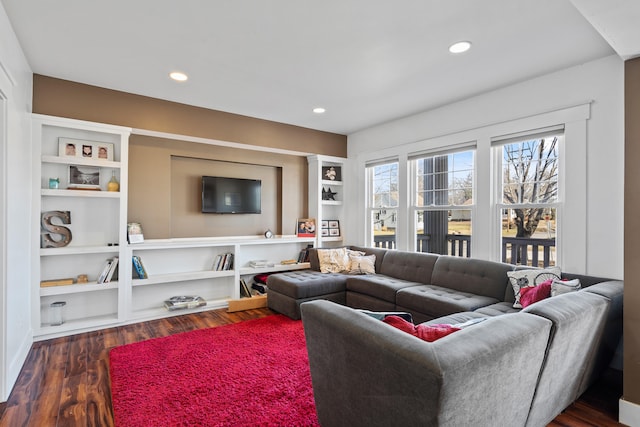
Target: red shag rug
(253, 373)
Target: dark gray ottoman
(286, 291)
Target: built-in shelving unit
(98, 224)
(326, 196)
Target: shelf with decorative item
(79, 193)
(77, 288)
(80, 161)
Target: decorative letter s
(46, 239)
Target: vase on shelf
(113, 184)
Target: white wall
(15, 177)
(595, 227)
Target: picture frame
(324, 224)
(84, 177)
(69, 147)
(134, 233)
(306, 227)
(331, 173)
(324, 232)
(333, 228)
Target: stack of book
(304, 254)
(139, 271)
(223, 262)
(109, 271)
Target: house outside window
(443, 202)
(530, 202)
(383, 204)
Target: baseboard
(629, 413)
(16, 365)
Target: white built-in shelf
(154, 313)
(77, 288)
(181, 277)
(326, 182)
(332, 239)
(80, 161)
(332, 202)
(76, 325)
(275, 268)
(80, 193)
(76, 250)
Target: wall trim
(629, 413)
(200, 140)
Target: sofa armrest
(367, 373)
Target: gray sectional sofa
(518, 367)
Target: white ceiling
(365, 61)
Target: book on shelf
(223, 262)
(113, 271)
(244, 289)
(304, 254)
(185, 301)
(105, 271)
(139, 271)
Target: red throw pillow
(428, 333)
(531, 294)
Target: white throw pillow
(335, 260)
(523, 278)
(559, 287)
(362, 264)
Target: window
(443, 200)
(383, 203)
(530, 205)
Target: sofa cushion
(497, 309)
(429, 333)
(529, 277)
(409, 266)
(361, 264)
(532, 294)
(436, 301)
(474, 276)
(335, 260)
(378, 286)
(306, 283)
(559, 287)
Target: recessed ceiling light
(319, 110)
(460, 47)
(178, 76)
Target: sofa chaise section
(367, 373)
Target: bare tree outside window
(530, 177)
(530, 201)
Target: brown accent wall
(631, 388)
(164, 188)
(79, 101)
(164, 173)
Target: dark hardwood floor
(65, 381)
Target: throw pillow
(559, 287)
(362, 264)
(333, 260)
(532, 294)
(428, 333)
(523, 278)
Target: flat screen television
(231, 195)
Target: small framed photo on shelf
(331, 173)
(134, 233)
(306, 227)
(324, 232)
(68, 147)
(324, 224)
(333, 228)
(84, 177)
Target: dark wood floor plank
(73, 405)
(69, 377)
